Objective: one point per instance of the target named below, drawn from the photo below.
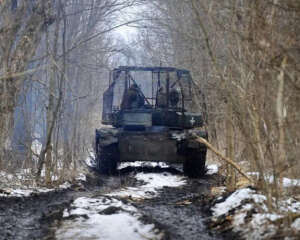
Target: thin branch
(226, 159)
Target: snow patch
(21, 193)
(92, 223)
(6, 175)
(262, 218)
(239, 219)
(261, 226)
(250, 215)
(287, 182)
(65, 185)
(290, 205)
(152, 182)
(90, 160)
(212, 169)
(8, 192)
(143, 164)
(178, 136)
(85, 205)
(81, 177)
(296, 224)
(235, 200)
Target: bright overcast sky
(130, 14)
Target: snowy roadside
(23, 184)
(246, 212)
(287, 182)
(12, 185)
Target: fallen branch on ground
(226, 159)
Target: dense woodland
(244, 57)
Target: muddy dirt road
(139, 203)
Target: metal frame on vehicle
(122, 79)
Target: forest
(55, 63)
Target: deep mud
(29, 218)
(179, 212)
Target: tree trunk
(16, 50)
(231, 177)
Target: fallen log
(226, 159)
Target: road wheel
(194, 165)
(107, 159)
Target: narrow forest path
(139, 203)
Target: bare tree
(243, 55)
(21, 30)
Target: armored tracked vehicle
(149, 116)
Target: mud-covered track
(176, 211)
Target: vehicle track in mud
(176, 211)
(180, 210)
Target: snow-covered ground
(212, 169)
(8, 192)
(107, 217)
(287, 182)
(250, 215)
(104, 218)
(26, 192)
(22, 183)
(152, 182)
(143, 164)
(12, 184)
(235, 200)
